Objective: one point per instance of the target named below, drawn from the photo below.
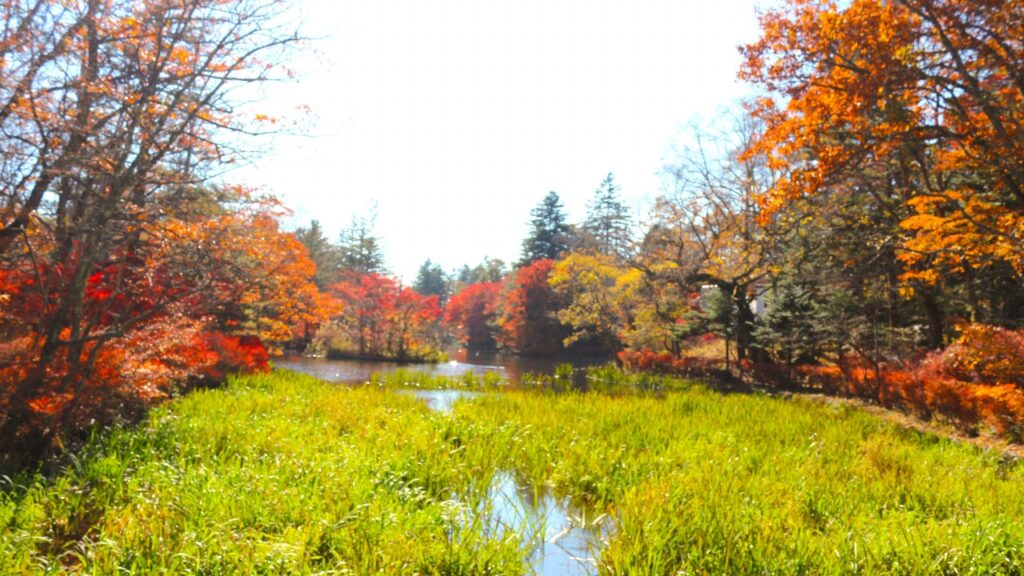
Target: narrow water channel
(559, 538)
(564, 540)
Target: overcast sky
(455, 117)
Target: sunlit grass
(281, 473)
(274, 474)
(739, 484)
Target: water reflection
(511, 368)
(561, 539)
(440, 400)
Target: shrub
(985, 355)
(979, 379)
(1002, 408)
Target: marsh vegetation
(282, 473)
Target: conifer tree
(321, 252)
(549, 232)
(432, 281)
(608, 223)
(359, 250)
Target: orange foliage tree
(918, 102)
(193, 300)
(122, 272)
(472, 314)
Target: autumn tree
(361, 328)
(413, 325)
(599, 298)
(529, 321)
(206, 293)
(111, 116)
(380, 318)
(916, 103)
(710, 230)
(471, 314)
(549, 234)
(266, 280)
(656, 310)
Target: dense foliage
(380, 318)
(853, 229)
(471, 314)
(124, 272)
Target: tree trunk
(935, 318)
(744, 322)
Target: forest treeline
(856, 227)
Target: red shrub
(954, 400)
(904, 388)
(978, 379)
(1002, 408)
(825, 378)
(646, 360)
(985, 354)
(769, 373)
(650, 361)
(235, 354)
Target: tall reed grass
(281, 473)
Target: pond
(359, 371)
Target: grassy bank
(280, 473)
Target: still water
(359, 371)
(559, 538)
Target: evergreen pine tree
(608, 223)
(549, 232)
(791, 327)
(359, 250)
(490, 270)
(432, 281)
(321, 251)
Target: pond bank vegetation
(280, 472)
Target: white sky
(455, 117)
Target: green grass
(280, 473)
(274, 474)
